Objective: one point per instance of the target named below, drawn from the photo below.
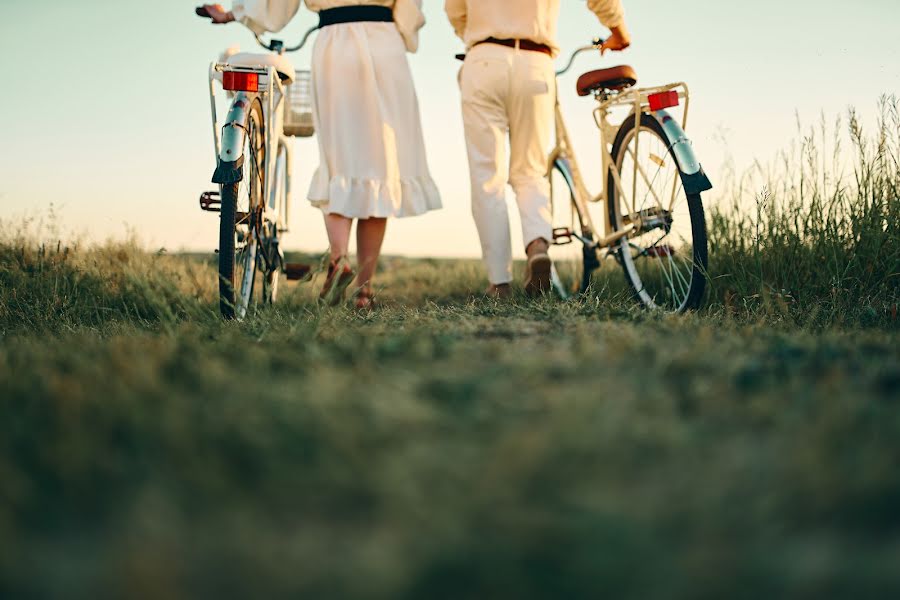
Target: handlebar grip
(202, 12)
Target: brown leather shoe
(538, 268)
(502, 291)
(340, 274)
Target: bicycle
(654, 224)
(270, 104)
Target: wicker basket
(298, 117)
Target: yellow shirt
(535, 20)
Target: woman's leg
(369, 237)
(340, 273)
(338, 228)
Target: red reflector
(240, 82)
(663, 100)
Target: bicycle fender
(231, 160)
(694, 179)
(565, 168)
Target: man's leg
(531, 122)
(484, 84)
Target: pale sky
(107, 114)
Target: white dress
(366, 112)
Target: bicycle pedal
(562, 236)
(211, 202)
(297, 271)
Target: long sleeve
(610, 12)
(456, 12)
(261, 16)
(409, 20)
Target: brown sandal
(365, 298)
(340, 274)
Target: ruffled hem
(360, 198)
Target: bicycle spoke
(658, 272)
(647, 180)
(669, 275)
(676, 186)
(683, 284)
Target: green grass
(450, 446)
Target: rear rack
(639, 99)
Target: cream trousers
(507, 94)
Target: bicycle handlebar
(272, 46)
(299, 46)
(595, 45)
(278, 45)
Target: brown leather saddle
(612, 79)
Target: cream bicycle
(654, 222)
(270, 104)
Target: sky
(107, 112)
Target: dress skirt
(369, 129)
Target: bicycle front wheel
(239, 227)
(271, 259)
(665, 256)
(572, 264)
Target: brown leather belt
(523, 44)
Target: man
(508, 86)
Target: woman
(372, 163)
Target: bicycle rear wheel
(239, 227)
(665, 258)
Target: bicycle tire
(231, 304)
(575, 275)
(274, 259)
(700, 252)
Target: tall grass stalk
(820, 239)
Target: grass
(823, 230)
(449, 446)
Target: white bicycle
(270, 104)
(650, 216)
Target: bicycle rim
(664, 260)
(273, 261)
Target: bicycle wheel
(271, 261)
(574, 262)
(665, 258)
(239, 227)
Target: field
(450, 446)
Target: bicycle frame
(563, 158)
(229, 144)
